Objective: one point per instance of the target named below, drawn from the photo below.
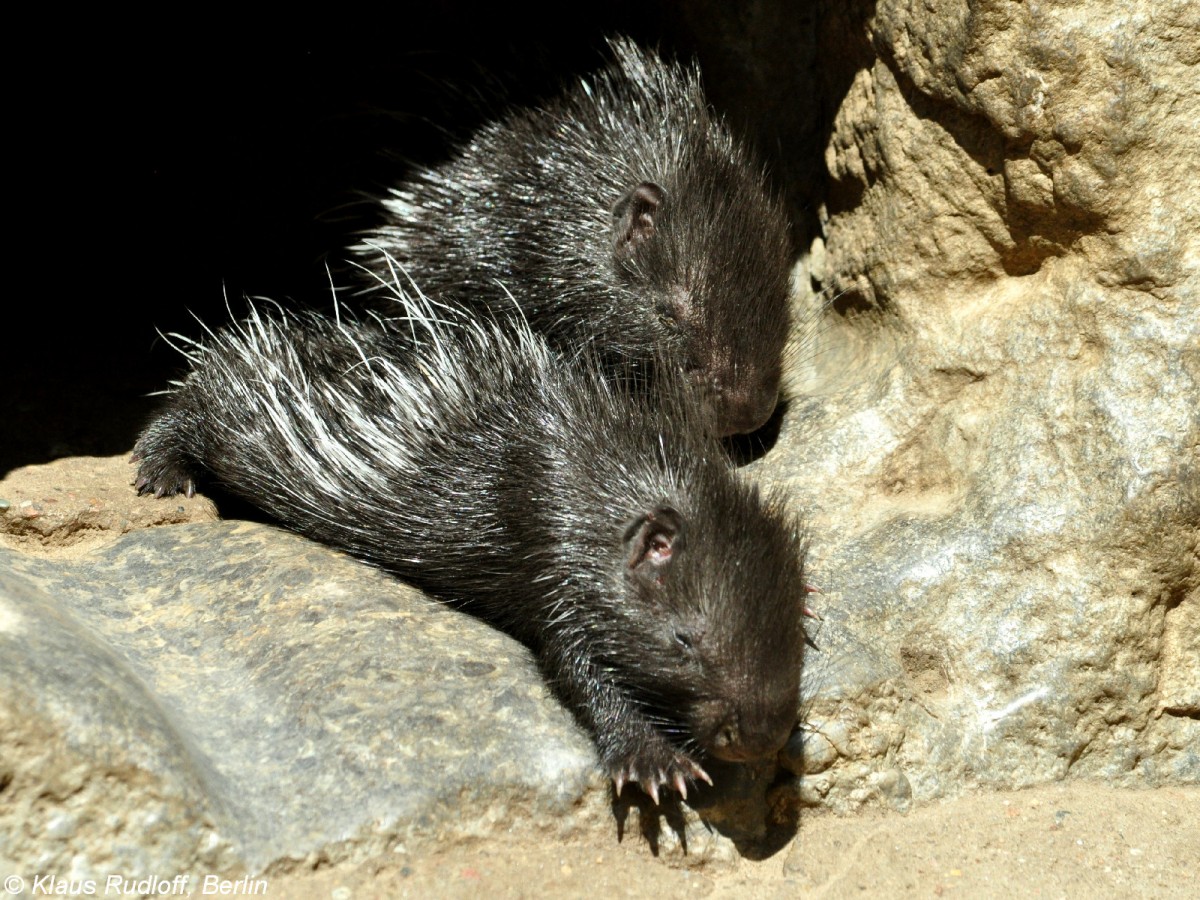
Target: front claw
(651, 775)
(164, 484)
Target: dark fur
(661, 592)
(623, 216)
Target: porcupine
(601, 526)
(625, 216)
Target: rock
(995, 435)
(225, 697)
(973, 147)
(83, 500)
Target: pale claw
(681, 785)
(674, 776)
(811, 589)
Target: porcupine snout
(747, 731)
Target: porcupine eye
(676, 307)
(686, 640)
(671, 316)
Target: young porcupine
(624, 216)
(662, 594)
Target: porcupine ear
(650, 544)
(633, 218)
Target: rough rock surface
(998, 432)
(223, 696)
(77, 502)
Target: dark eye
(683, 639)
(674, 308)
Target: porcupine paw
(163, 470)
(658, 766)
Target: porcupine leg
(167, 466)
(631, 748)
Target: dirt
(71, 506)
(1065, 840)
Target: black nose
(745, 411)
(733, 743)
(736, 405)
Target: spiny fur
(543, 202)
(467, 458)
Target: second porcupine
(623, 215)
(660, 592)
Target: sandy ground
(1067, 840)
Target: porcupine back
(625, 217)
(599, 525)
